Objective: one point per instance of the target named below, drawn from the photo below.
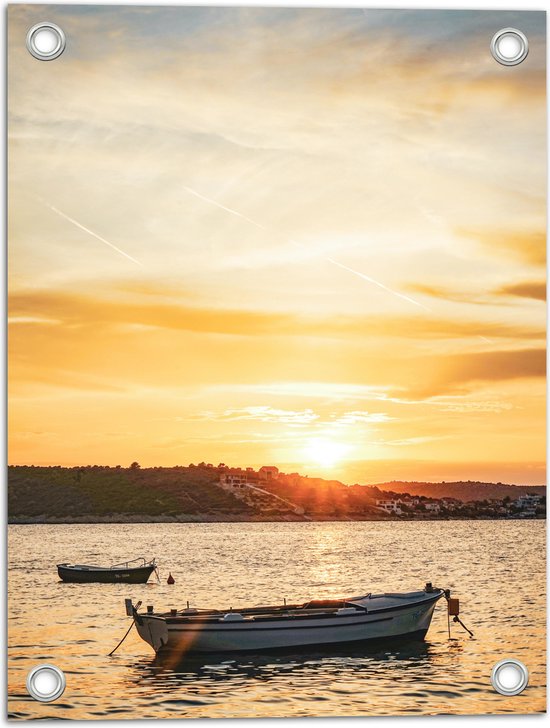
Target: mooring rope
(135, 618)
(112, 652)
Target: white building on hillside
(231, 481)
(432, 506)
(528, 501)
(390, 506)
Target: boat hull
(138, 575)
(173, 635)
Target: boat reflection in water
(206, 677)
(263, 666)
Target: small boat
(316, 623)
(136, 571)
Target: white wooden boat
(321, 622)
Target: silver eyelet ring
(521, 40)
(54, 687)
(510, 687)
(48, 54)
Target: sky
(309, 238)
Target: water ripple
(76, 626)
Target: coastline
(287, 518)
(205, 494)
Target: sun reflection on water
(76, 626)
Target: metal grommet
(46, 683)
(509, 677)
(46, 41)
(509, 46)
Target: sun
(325, 452)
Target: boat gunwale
(88, 568)
(214, 617)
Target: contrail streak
(298, 245)
(91, 232)
(377, 283)
(227, 209)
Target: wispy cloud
(359, 417)
(525, 245)
(525, 289)
(107, 311)
(35, 320)
(263, 413)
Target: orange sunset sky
(307, 238)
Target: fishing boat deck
(317, 608)
(124, 566)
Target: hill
(464, 491)
(195, 493)
(42, 493)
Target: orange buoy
(170, 579)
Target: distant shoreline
(91, 520)
(206, 494)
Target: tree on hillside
(135, 465)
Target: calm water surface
(497, 569)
